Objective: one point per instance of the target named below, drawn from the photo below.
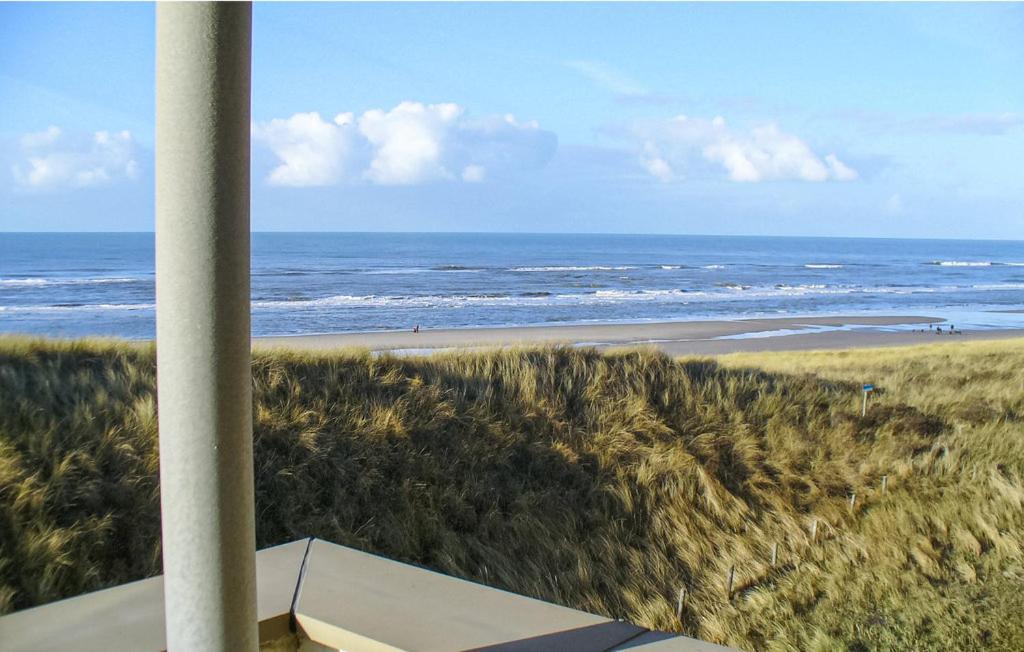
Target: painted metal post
(203, 79)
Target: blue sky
(804, 119)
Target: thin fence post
(853, 500)
(814, 531)
(885, 483)
(732, 576)
(679, 603)
(775, 553)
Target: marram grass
(605, 482)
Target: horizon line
(552, 233)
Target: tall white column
(202, 324)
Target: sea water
(76, 284)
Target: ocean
(78, 284)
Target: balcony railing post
(203, 324)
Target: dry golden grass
(936, 563)
(603, 482)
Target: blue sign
(869, 388)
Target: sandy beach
(675, 338)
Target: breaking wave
(962, 263)
(79, 307)
(40, 282)
(573, 268)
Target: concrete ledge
(103, 620)
(131, 616)
(349, 598)
(337, 598)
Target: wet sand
(676, 338)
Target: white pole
(203, 349)
(864, 409)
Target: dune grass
(605, 482)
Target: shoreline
(675, 338)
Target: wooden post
(853, 500)
(775, 553)
(732, 576)
(868, 387)
(814, 531)
(885, 483)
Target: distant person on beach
(416, 328)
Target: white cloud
(410, 144)
(409, 140)
(840, 171)
(51, 160)
(894, 205)
(499, 144)
(979, 124)
(971, 123)
(608, 78)
(682, 146)
(42, 138)
(312, 151)
(659, 168)
(473, 173)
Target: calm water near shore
(102, 284)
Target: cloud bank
(970, 123)
(51, 160)
(683, 147)
(975, 124)
(413, 143)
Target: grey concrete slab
(277, 576)
(348, 600)
(356, 601)
(131, 616)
